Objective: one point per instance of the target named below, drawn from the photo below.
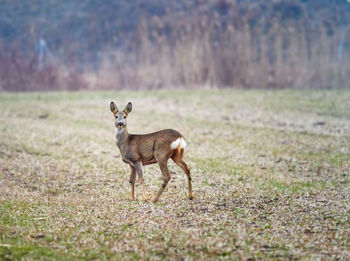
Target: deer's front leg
(132, 181)
(138, 167)
(166, 177)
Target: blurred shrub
(233, 54)
(20, 74)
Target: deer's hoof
(191, 197)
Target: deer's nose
(120, 124)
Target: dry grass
(224, 53)
(270, 174)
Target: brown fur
(144, 149)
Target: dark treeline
(61, 44)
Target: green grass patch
(269, 173)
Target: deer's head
(120, 116)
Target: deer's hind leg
(163, 164)
(177, 158)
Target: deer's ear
(128, 108)
(113, 108)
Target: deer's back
(145, 146)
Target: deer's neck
(121, 136)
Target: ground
(270, 172)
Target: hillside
(80, 30)
(140, 36)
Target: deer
(139, 150)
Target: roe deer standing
(137, 150)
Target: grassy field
(270, 171)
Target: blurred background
(258, 88)
(155, 44)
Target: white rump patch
(176, 143)
(183, 143)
